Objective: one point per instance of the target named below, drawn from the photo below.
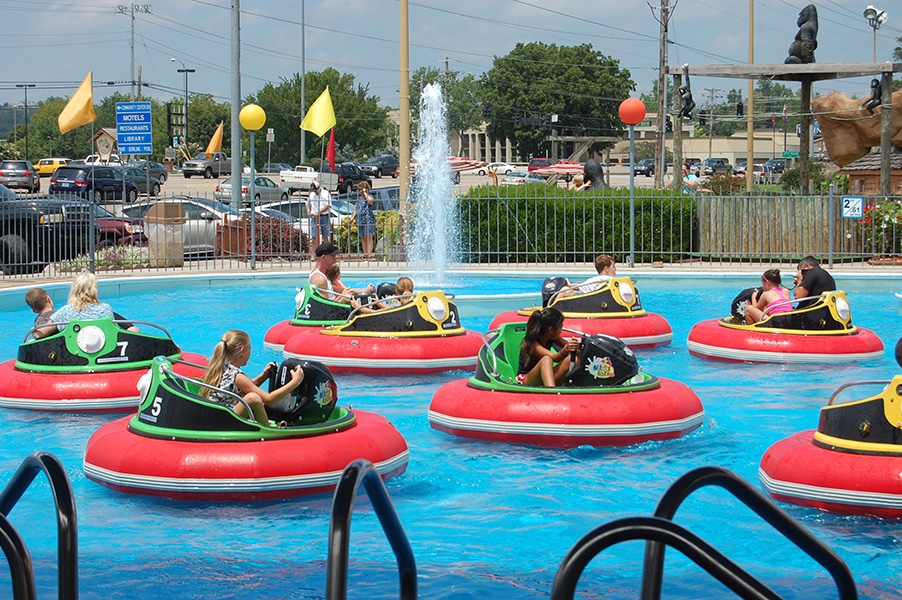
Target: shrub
(881, 225)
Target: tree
(462, 97)
(535, 80)
(362, 126)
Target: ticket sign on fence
(852, 207)
(134, 128)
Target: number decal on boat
(157, 406)
(123, 346)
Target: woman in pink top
(773, 298)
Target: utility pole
(714, 93)
(660, 134)
(124, 10)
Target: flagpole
(93, 247)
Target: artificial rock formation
(850, 131)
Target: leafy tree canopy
(362, 126)
(461, 93)
(583, 87)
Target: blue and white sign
(134, 128)
(852, 207)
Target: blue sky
(53, 44)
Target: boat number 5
(157, 406)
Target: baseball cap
(314, 185)
(325, 249)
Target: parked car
(387, 198)
(99, 183)
(297, 209)
(378, 166)
(646, 167)
(775, 165)
(275, 167)
(95, 159)
(202, 216)
(46, 166)
(20, 174)
(521, 178)
(217, 165)
(715, 166)
(149, 186)
(265, 190)
(538, 163)
(739, 168)
(7, 194)
(501, 168)
(118, 231)
(349, 175)
(155, 169)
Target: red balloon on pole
(632, 111)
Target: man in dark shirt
(811, 280)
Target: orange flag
(79, 110)
(215, 144)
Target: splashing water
(434, 222)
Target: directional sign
(134, 128)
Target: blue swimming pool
(485, 520)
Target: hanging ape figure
(686, 96)
(875, 99)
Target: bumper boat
(92, 365)
(852, 463)
(311, 310)
(820, 333)
(181, 446)
(613, 309)
(424, 335)
(606, 400)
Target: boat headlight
(300, 298)
(842, 308)
(436, 309)
(627, 293)
(91, 339)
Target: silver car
(20, 174)
(201, 217)
(265, 190)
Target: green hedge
(536, 223)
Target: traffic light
(517, 119)
(739, 109)
(487, 111)
(702, 121)
(169, 132)
(668, 124)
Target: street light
(184, 70)
(632, 112)
(252, 118)
(876, 18)
(26, 86)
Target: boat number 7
(122, 348)
(157, 406)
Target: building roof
(871, 162)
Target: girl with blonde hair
(224, 372)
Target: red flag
(330, 151)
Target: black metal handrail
(662, 531)
(66, 520)
(363, 471)
(20, 568)
(757, 502)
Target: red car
(118, 231)
(539, 163)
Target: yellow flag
(321, 116)
(79, 110)
(215, 144)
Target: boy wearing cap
(318, 207)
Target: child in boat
(341, 292)
(41, 304)
(403, 287)
(83, 303)
(224, 372)
(606, 268)
(772, 296)
(539, 364)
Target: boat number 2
(157, 406)
(123, 346)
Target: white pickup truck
(300, 178)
